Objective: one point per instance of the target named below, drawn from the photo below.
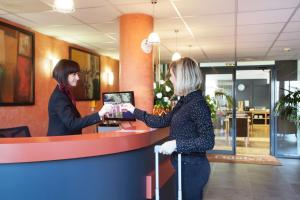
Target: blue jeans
(195, 175)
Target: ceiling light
(64, 6)
(176, 56)
(287, 49)
(248, 59)
(153, 37)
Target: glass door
(288, 132)
(287, 140)
(253, 112)
(218, 90)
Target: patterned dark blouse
(190, 123)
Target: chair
(21, 131)
(242, 128)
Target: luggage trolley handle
(157, 151)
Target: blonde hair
(188, 76)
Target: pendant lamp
(153, 37)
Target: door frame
(272, 122)
(223, 70)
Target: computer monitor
(117, 98)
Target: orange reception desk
(111, 165)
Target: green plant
(288, 106)
(163, 91)
(2, 71)
(212, 104)
(228, 98)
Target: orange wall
(36, 116)
(111, 65)
(134, 63)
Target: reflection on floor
(257, 144)
(254, 182)
(287, 144)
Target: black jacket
(64, 118)
(190, 123)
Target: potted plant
(228, 98)
(212, 104)
(288, 107)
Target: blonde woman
(191, 130)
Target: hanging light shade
(64, 6)
(176, 56)
(153, 38)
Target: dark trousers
(195, 174)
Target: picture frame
(17, 71)
(88, 86)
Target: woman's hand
(168, 147)
(106, 108)
(128, 106)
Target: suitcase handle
(157, 151)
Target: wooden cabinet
(260, 123)
(260, 117)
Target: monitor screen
(117, 98)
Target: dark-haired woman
(64, 118)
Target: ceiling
(209, 30)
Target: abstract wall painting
(88, 86)
(16, 66)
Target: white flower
(166, 99)
(161, 82)
(168, 89)
(154, 85)
(159, 95)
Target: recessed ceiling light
(64, 6)
(287, 49)
(248, 59)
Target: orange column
(136, 71)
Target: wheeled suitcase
(156, 151)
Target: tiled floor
(254, 182)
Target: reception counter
(111, 165)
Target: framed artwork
(16, 66)
(88, 86)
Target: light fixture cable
(153, 37)
(176, 55)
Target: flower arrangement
(163, 94)
(163, 91)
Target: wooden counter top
(36, 149)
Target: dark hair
(62, 70)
